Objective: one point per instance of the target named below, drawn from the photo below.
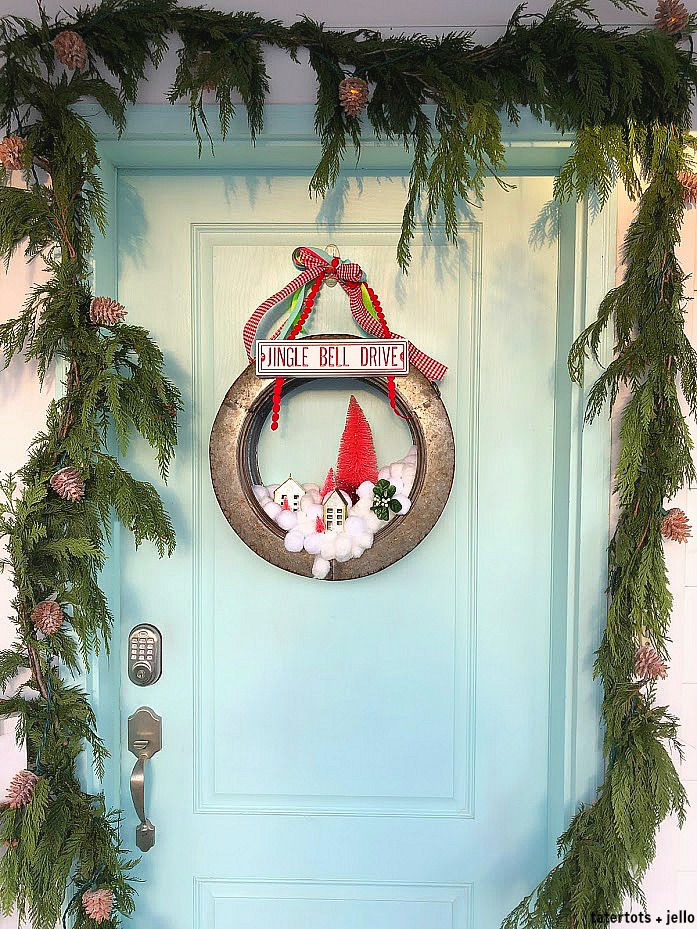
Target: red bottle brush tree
(357, 461)
(329, 484)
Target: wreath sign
(364, 517)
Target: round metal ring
(235, 469)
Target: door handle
(144, 741)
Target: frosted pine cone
(21, 789)
(48, 616)
(11, 151)
(70, 50)
(688, 179)
(353, 95)
(98, 904)
(68, 484)
(106, 312)
(671, 16)
(648, 664)
(675, 525)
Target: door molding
(159, 136)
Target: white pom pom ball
(355, 526)
(313, 543)
(294, 541)
(365, 490)
(321, 568)
(362, 507)
(311, 487)
(365, 540)
(305, 524)
(398, 484)
(384, 473)
(373, 523)
(314, 511)
(343, 547)
(396, 470)
(272, 488)
(272, 509)
(287, 519)
(328, 546)
(408, 478)
(356, 549)
(406, 504)
(306, 502)
(261, 493)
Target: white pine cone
(48, 616)
(11, 151)
(106, 312)
(98, 904)
(353, 95)
(68, 484)
(648, 664)
(21, 789)
(70, 50)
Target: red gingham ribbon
(350, 276)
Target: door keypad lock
(144, 654)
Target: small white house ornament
(287, 495)
(335, 506)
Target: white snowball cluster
(361, 525)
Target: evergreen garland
(626, 97)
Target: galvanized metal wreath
(272, 527)
(625, 96)
(367, 516)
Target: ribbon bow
(346, 272)
(315, 264)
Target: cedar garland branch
(626, 99)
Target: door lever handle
(144, 741)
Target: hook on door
(144, 741)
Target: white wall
(672, 882)
(22, 413)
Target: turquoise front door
(400, 751)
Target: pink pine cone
(11, 151)
(648, 664)
(21, 789)
(98, 904)
(48, 616)
(675, 525)
(672, 16)
(68, 484)
(106, 312)
(688, 179)
(353, 95)
(70, 49)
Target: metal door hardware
(144, 654)
(144, 740)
